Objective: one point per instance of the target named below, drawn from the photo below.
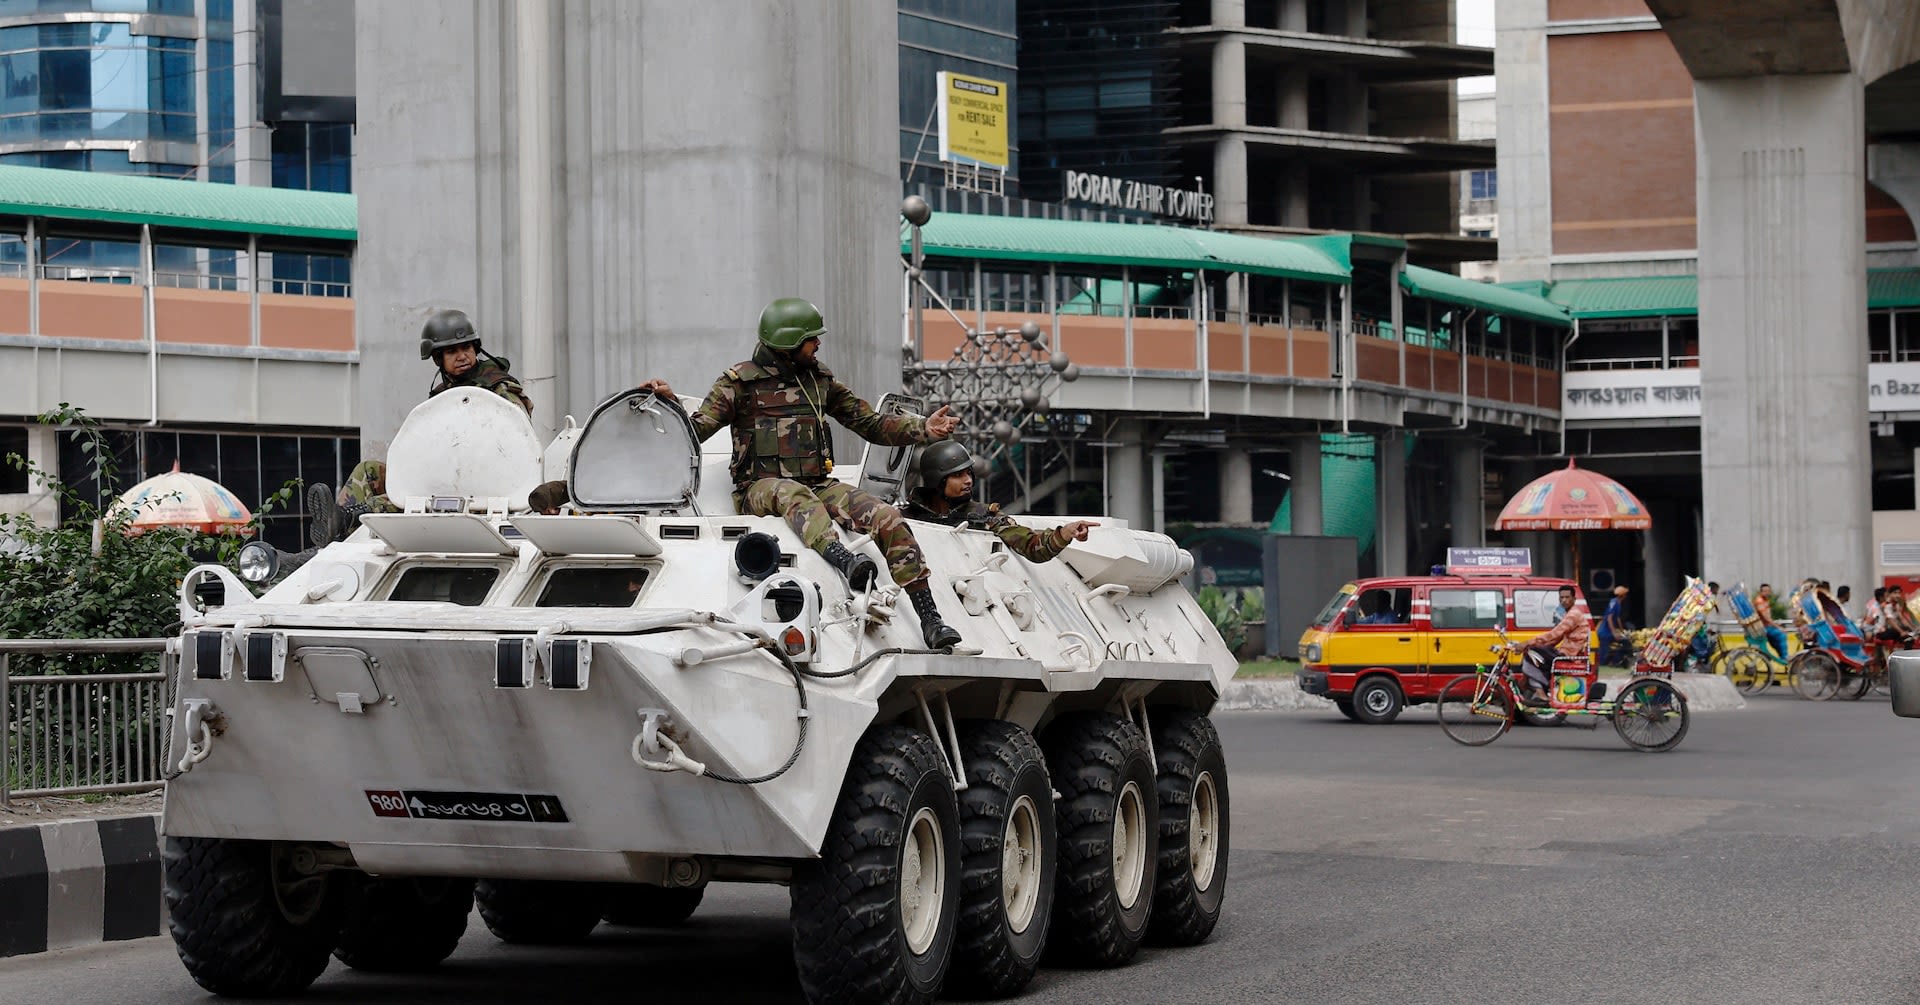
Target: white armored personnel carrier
(589, 717)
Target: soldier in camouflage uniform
(945, 496)
(449, 339)
(777, 405)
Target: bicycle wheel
(1651, 715)
(1746, 669)
(1816, 676)
(1474, 709)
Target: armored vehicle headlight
(258, 561)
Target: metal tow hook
(203, 723)
(652, 739)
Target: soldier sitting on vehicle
(449, 339)
(1568, 638)
(777, 404)
(945, 496)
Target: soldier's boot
(348, 520)
(860, 570)
(939, 634)
(325, 518)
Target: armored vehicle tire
(1007, 861)
(1377, 701)
(539, 912)
(397, 925)
(1194, 827)
(1108, 818)
(1345, 705)
(874, 916)
(246, 924)
(646, 906)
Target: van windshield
(1334, 606)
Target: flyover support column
(1784, 452)
(1304, 489)
(1465, 511)
(1130, 484)
(1390, 504)
(1236, 486)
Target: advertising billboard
(973, 120)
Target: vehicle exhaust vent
(732, 533)
(680, 531)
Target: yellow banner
(973, 120)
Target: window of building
(466, 585)
(1483, 185)
(1467, 608)
(1479, 233)
(593, 586)
(313, 156)
(13, 443)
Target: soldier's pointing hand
(942, 423)
(1078, 529)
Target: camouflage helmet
(788, 322)
(445, 330)
(942, 460)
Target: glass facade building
(974, 37)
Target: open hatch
(636, 454)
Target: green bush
(55, 583)
(1225, 616)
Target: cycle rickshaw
(1650, 714)
(1748, 666)
(1833, 660)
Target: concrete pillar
(1464, 507)
(1230, 83)
(1130, 483)
(1236, 486)
(1784, 452)
(1390, 503)
(1305, 488)
(1296, 195)
(1524, 155)
(1293, 15)
(1230, 181)
(667, 218)
(1228, 14)
(1662, 571)
(1293, 98)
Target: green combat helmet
(789, 321)
(447, 329)
(940, 460)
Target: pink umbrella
(179, 499)
(1573, 499)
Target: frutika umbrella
(180, 499)
(1573, 499)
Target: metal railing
(63, 735)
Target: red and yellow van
(1383, 644)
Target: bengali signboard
(1601, 395)
(1481, 561)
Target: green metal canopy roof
(1679, 296)
(190, 205)
(1031, 239)
(1448, 288)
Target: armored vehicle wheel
(646, 906)
(1108, 819)
(1007, 861)
(1193, 827)
(874, 916)
(395, 925)
(539, 912)
(1345, 705)
(246, 923)
(1377, 701)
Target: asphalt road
(1771, 858)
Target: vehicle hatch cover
(466, 442)
(637, 451)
